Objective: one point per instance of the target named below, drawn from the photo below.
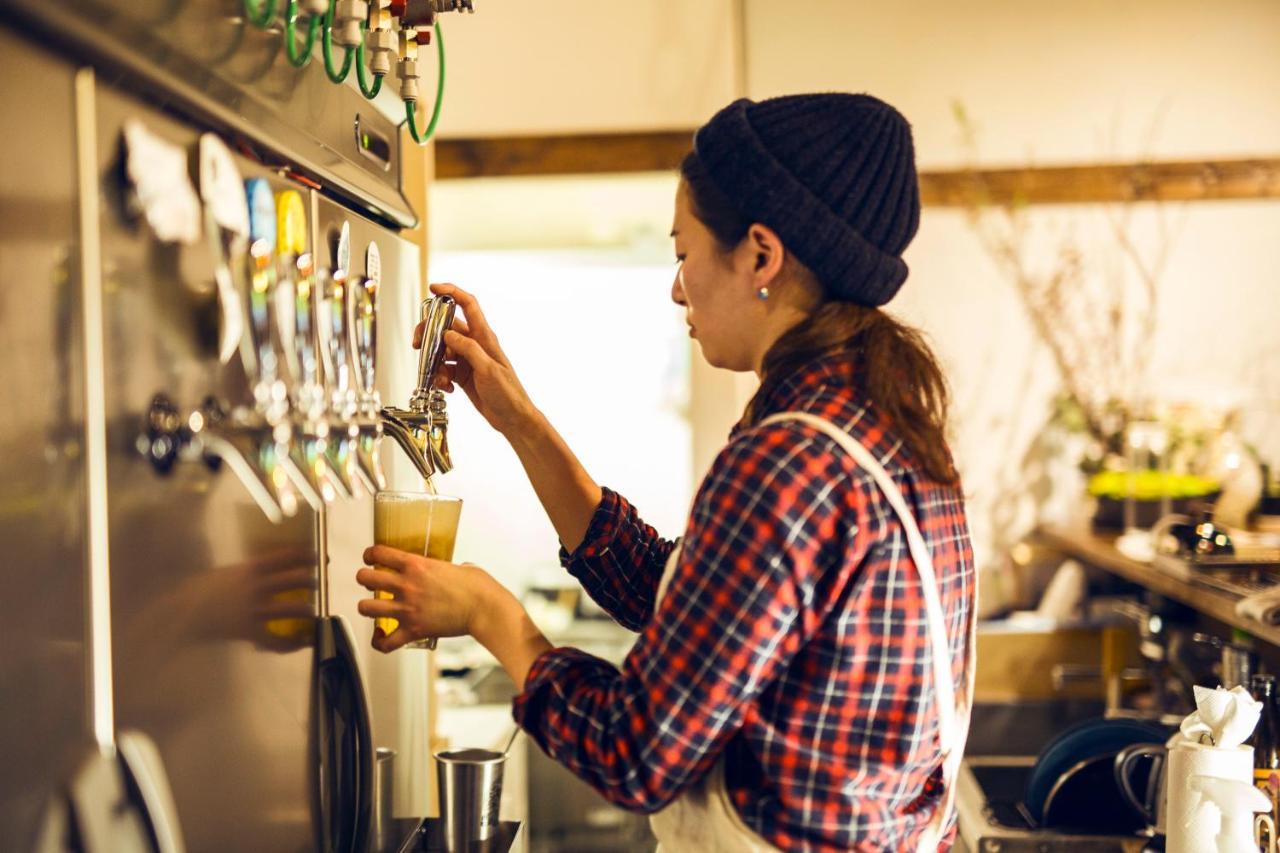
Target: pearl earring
(763, 293)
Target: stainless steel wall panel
(397, 683)
(44, 725)
(197, 571)
(200, 58)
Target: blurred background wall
(576, 272)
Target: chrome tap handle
(438, 316)
(335, 349)
(296, 310)
(362, 328)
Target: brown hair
(901, 376)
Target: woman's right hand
(475, 362)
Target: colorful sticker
(292, 223)
(262, 212)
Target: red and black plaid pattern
(792, 639)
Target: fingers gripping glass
(419, 523)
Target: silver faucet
(335, 349)
(254, 436)
(422, 430)
(362, 327)
(298, 310)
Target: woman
(801, 676)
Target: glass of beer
(420, 523)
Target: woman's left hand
(432, 598)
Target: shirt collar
(838, 370)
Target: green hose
(299, 59)
(262, 17)
(362, 76)
(326, 43)
(411, 112)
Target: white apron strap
(944, 683)
(953, 715)
(703, 820)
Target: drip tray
(992, 817)
(421, 836)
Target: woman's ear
(767, 253)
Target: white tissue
(1226, 717)
(158, 170)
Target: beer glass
(417, 522)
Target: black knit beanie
(833, 174)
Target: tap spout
(438, 433)
(410, 431)
(368, 460)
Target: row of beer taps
(308, 427)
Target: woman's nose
(677, 289)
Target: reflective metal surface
(422, 430)
(201, 57)
(210, 456)
(212, 604)
(43, 670)
(396, 683)
(470, 788)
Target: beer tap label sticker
(262, 213)
(373, 264)
(343, 259)
(292, 222)
(158, 171)
(221, 186)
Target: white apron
(704, 820)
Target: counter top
(1100, 551)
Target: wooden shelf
(662, 151)
(1100, 551)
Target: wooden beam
(662, 151)
(584, 154)
(1122, 182)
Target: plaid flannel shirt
(792, 638)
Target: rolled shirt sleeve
(740, 604)
(619, 561)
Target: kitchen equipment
(1083, 800)
(470, 786)
(1264, 834)
(1238, 663)
(993, 818)
(167, 428)
(1084, 742)
(429, 837)
(383, 785)
(1145, 788)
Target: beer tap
(362, 325)
(261, 353)
(296, 311)
(343, 404)
(422, 430)
(250, 449)
(245, 437)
